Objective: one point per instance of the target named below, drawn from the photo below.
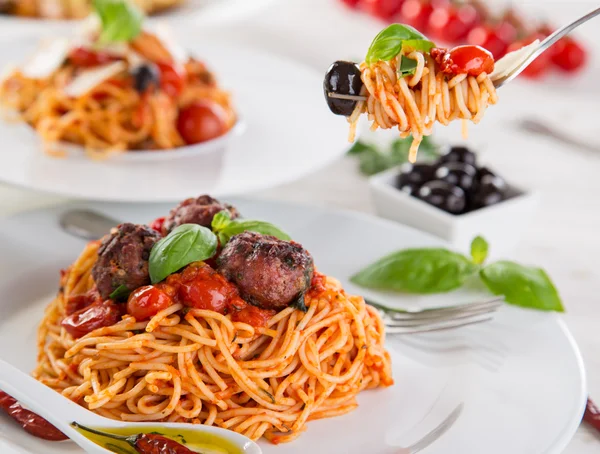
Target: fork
(398, 321)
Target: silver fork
(399, 321)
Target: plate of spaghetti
(116, 86)
(407, 83)
(211, 315)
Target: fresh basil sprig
(121, 20)
(390, 41)
(436, 270)
(121, 293)
(417, 271)
(225, 227)
(185, 244)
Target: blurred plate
(520, 376)
(200, 12)
(289, 132)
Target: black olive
(145, 76)
(443, 195)
(415, 174)
(460, 154)
(343, 78)
(458, 173)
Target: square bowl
(501, 225)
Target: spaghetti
(125, 96)
(413, 104)
(199, 366)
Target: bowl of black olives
(455, 198)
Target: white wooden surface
(565, 235)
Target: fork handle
(563, 31)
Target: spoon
(513, 63)
(86, 224)
(62, 412)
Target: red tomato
(98, 315)
(384, 9)
(569, 55)
(452, 24)
(172, 78)
(540, 65)
(471, 60)
(203, 288)
(494, 40)
(201, 121)
(350, 3)
(147, 301)
(86, 58)
(157, 224)
(416, 14)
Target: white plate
(520, 377)
(289, 132)
(201, 12)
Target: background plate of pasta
(106, 101)
(261, 331)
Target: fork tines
(400, 322)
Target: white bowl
(501, 224)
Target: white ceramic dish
(284, 139)
(501, 224)
(520, 377)
(200, 12)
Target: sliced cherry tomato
(452, 24)
(157, 224)
(98, 315)
(201, 121)
(147, 301)
(569, 55)
(496, 40)
(384, 9)
(538, 66)
(86, 58)
(172, 78)
(471, 60)
(416, 14)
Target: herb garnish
(395, 39)
(225, 227)
(437, 270)
(121, 20)
(185, 244)
(121, 293)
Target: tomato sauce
(317, 284)
(200, 287)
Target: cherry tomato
(172, 78)
(86, 58)
(569, 55)
(384, 9)
(540, 65)
(471, 60)
(452, 24)
(98, 315)
(203, 288)
(147, 301)
(157, 224)
(201, 121)
(416, 14)
(495, 40)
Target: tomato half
(147, 301)
(201, 121)
(86, 58)
(172, 78)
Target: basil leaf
(185, 244)
(221, 220)
(389, 42)
(423, 45)
(121, 20)
(479, 250)
(408, 66)
(121, 293)
(417, 271)
(521, 285)
(266, 228)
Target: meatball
(269, 273)
(123, 258)
(200, 210)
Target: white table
(563, 237)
